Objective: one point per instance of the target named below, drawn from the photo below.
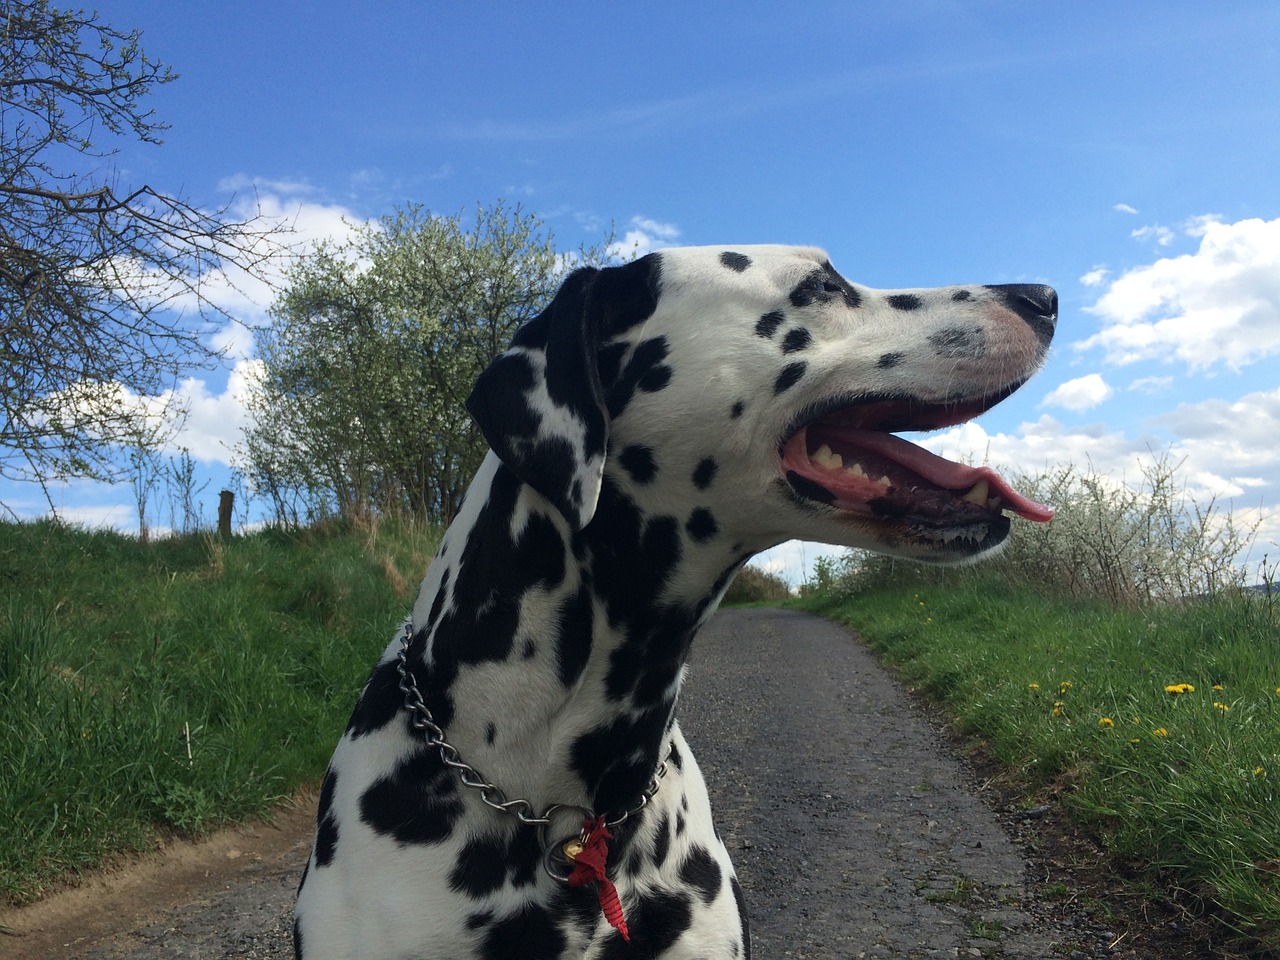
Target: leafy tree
(371, 351)
(98, 282)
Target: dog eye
(831, 286)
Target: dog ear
(541, 404)
(541, 407)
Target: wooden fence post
(226, 500)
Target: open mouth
(850, 459)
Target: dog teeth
(826, 458)
(978, 494)
(994, 503)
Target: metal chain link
(422, 720)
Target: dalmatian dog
(513, 782)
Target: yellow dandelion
(1160, 732)
(1135, 740)
(928, 619)
(1033, 686)
(1219, 687)
(1221, 706)
(1259, 772)
(1064, 686)
(1278, 691)
(1106, 722)
(1057, 708)
(1179, 688)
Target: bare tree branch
(103, 289)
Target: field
(133, 679)
(1158, 727)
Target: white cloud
(1095, 276)
(645, 236)
(1124, 208)
(1082, 393)
(215, 422)
(1163, 236)
(1219, 305)
(1150, 385)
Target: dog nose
(1035, 303)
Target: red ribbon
(589, 867)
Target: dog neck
(554, 658)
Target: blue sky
(1128, 154)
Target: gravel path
(855, 830)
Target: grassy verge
(178, 684)
(1160, 727)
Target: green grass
(1071, 697)
(179, 684)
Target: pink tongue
(945, 473)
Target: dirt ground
(191, 899)
(856, 830)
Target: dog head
(761, 385)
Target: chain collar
(524, 811)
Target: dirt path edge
(144, 888)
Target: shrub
(753, 585)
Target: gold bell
(571, 849)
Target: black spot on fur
(638, 461)
(702, 525)
(735, 261)
(768, 325)
(616, 780)
(796, 340)
(905, 301)
(573, 645)
(530, 648)
(701, 872)
(297, 939)
(662, 841)
(705, 472)
(675, 758)
(736, 411)
(656, 921)
(379, 702)
(736, 887)
(490, 733)
(326, 823)
(680, 823)
(807, 290)
(416, 803)
(437, 604)
(655, 379)
(962, 295)
(481, 867)
(789, 377)
(644, 371)
(477, 920)
(625, 296)
(530, 933)
(888, 360)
